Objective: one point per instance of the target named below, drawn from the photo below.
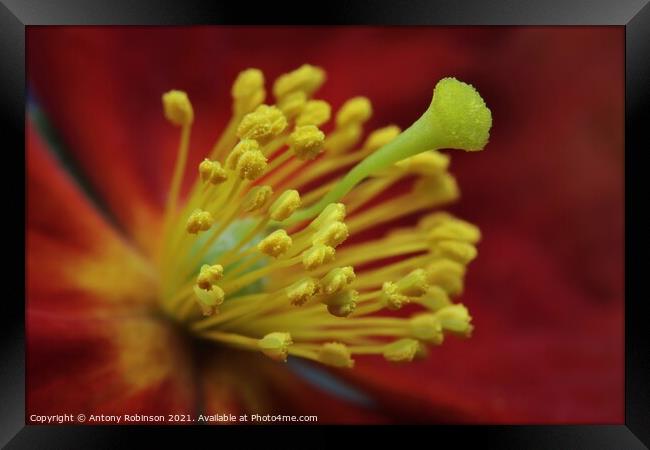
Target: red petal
(70, 247)
(91, 344)
(108, 364)
(541, 351)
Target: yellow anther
(292, 104)
(276, 345)
(177, 107)
(306, 142)
(317, 255)
(209, 301)
(432, 220)
(314, 112)
(355, 110)
(209, 275)
(438, 189)
(301, 291)
(256, 198)
(381, 137)
(446, 274)
(343, 303)
(343, 139)
(332, 234)
(414, 284)
(199, 220)
(455, 229)
(275, 244)
(251, 165)
(248, 91)
(336, 354)
(211, 171)
(336, 280)
(434, 299)
(334, 212)
(426, 327)
(243, 146)
(425, 164)
(456, 318)
(284, 205)
(403, 350)
(262, 124)
(391, 297)
(461, 252)
(306, 78)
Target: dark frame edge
(637, 412)
(12, 120)
(637, 96)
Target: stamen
(335, 354)
(210, 300)
(306, 142)
(302, 291)
(251, 165)
(456, 318)
(332, 234)
(314, 112)
(177, 107)
(256, 198)
(285, 205)
(209, 275)
(178, 110)
(198, 221)
(343, 139)
(403, 350)
(276, 345)
(275, 244)
(263, 124)
(248, 91)
(292, 104)
(447, 274)
(337, 279)
(306, 78)
(317, 255)
(426, 327)
(212, 172)
(355, 110)
(243, 146)
(342, 304)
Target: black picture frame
(634, 15)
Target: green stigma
(457, 118)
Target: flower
(139, 217)
(255, 272)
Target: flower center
(255, 256)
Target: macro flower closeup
(366, 225)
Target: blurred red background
(546, 292)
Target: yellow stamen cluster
(258, 257)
